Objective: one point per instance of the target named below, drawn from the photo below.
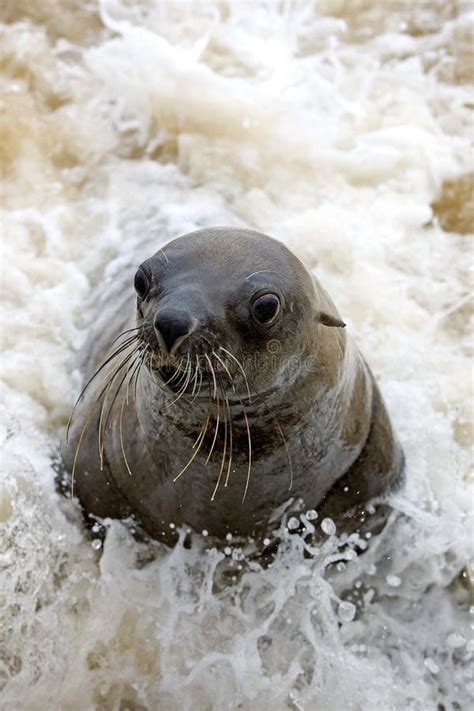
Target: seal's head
(225, 308)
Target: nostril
(172, 327)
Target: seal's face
(223, 308)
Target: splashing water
(342, 129)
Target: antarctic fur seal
(232, 387)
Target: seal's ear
(329, 320)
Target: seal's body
(233, 389)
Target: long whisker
(176, 373)
(113, 355)
(239, 366)
(200, 382)
(196, 373)
(225, 368)
(198, 443)
(186, 375)
(129, 330)
(203, 432)
(142, 359)
(121, 437)
(229, 466)
(225, 447)
(101, 430)
(88, 417)
(133, 367)
(137, 376)
(250, 452)
(215, 432)
(213, 375)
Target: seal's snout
(172, 327)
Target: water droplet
(293, 523)
(96, 544)
(346, 488)
(311, 515)
(266, 541)
(228, 551)
(328, 526)
(205, 532)
(346, 611)
(341, 566)
(228, 537)
(431, 665)
(172, 525)
(369, 596)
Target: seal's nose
(172, 327)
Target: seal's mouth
(197, 372)
(185, 381)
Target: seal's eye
(266, 308)
(141, 283)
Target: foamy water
(334, 127)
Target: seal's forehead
(231, 250)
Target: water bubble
(311, 515)
(341, 566)
(228, 537)
(328, 526)
(394, 581)
(172, 525)
(96, 544)
(266, 541)
(346, 489)
(346, 611)
(205, 532)
(293, 523)
(228, 551)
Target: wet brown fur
(223, 461)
